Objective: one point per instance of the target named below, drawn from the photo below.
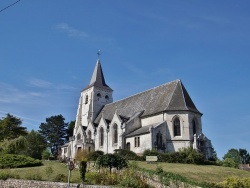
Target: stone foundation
(15, 183)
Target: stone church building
(162, 118)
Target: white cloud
(72, 32)
(40, 83)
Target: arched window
(101, 137)
(86, 99)
(89, 134)
(115, 134)
(78, 136)
(194, 127)
(177, 127)
(107, 97)
(98, 95)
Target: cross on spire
(99, 53)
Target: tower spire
(97, 78)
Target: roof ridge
(183, 96)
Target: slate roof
(143, 130)
(97, 78)
(167, 97)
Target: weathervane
(98, 53)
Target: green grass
(57, 168)
(199, 173)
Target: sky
(48, 50)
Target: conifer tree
(54, 131)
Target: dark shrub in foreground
(93, 155)
(18, 161)
(127, 154)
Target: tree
(233, 154)
(54, 132)
(70, 129)
(10, 128)
(111, 161)
(13, 146)
(35, 144)
(244, 155)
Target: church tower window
(89, 134)
(194, 127)
(86, 99)
(107, 97)
(101, 137)
(115, 134)
(177, 127)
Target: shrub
(94, 177)
(93, 155)
(229, 162)
(127, 154)
(235, 182)
(111, 161)
(131, 179)
(17, 161)
(81, 155)
(149, 152)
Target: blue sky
(48, 53)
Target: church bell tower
(93, 98)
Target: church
(163, 118)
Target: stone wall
(15, 183)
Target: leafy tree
(10, 128)
(233, 154)
(35, 144)
(54, 132)
(45, 154)
(13, 146)
(244, 155)
(111, 161)
(70, 129)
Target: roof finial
(98, 53)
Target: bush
(93, 155)
(130, 178)
(17, 161)
(127, 154)
(111, 161)
(149, 152)
(229, 162)
(235, 182)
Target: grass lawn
(57, 168)
(199, 173)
